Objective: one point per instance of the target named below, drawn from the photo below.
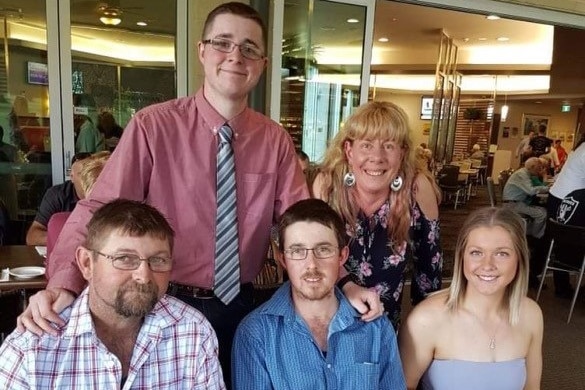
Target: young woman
(483, 332)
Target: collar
(281, 305)
(214, 120)
(81, 322)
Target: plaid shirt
(175, 349)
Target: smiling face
(490, 261)
(375, 163)
(312, 279)
(231, 76)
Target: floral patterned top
(377, 266)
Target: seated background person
(88, 174)
(60, 197)
(127, 261)
(307, 336)
(518, 193)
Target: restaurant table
(13, 256)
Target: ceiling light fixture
(110, 16)
(383, 39)
(110, 21)
(502, 39)
(141, 24)
(505, 108)
(352, 20)
(492, 17)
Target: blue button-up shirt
(274, 349)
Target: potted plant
(472, 113)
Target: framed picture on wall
(532, 122)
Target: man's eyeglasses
(129, 262)
(251, 52)
(320, 252)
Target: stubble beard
(136, 300)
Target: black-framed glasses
(130, 262)
(249, 51)
(320, 252)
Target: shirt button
(329, 366)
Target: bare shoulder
(432, 311)
(318, 184)
(530, 314)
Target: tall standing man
(219, 171)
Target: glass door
(324, 54)
(122, 59)
(25, 142)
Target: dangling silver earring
(396, 184)
(349, 179)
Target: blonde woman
(483, 332)
(368, 177)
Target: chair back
(449, 176)
(566, 234)
(476, 163)
(491, 191)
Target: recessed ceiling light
(465, 39)
(492, 17)
(352, 20)
(538, 102)
(383, 39)
(142, 24)
(502, 39)
(482, 39)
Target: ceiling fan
(108, 13)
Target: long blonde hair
(374, 120)
(513, 224)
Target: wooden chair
(564, 235)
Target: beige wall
(560, 123)
(411, 104)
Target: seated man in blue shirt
(308, 336)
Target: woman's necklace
(492, 336)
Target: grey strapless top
(465, 375)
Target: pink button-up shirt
(167, 158)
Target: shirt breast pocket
(363, 376)
(258, 192)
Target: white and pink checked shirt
(175, 349)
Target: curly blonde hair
(374, 120)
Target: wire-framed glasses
(320, 252)
(249, 51)
(130, 262)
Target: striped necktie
(227, 263)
